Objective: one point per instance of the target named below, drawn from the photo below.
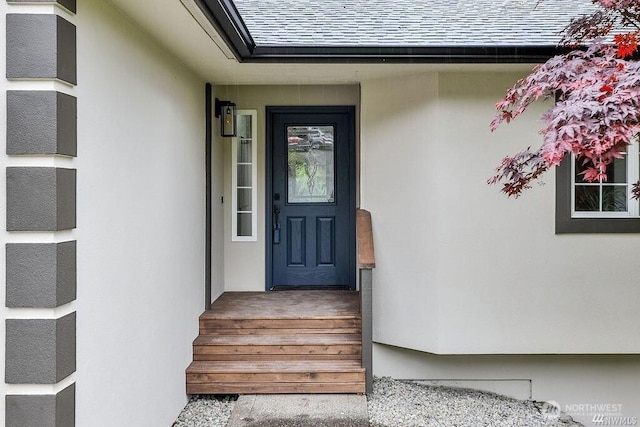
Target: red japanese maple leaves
(597, 91)
(627, 43)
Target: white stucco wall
(244, 262)
(141, 219)
(461, 269)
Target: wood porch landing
(279, 342)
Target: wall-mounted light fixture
(226, 110)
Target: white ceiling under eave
(173, 26)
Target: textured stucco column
(40, 204)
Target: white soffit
(181, 29)
(197, 14)
(172, 24)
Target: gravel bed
(399, 404)
(206, 411)
(395, 403)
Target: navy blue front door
(310, 197)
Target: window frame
(253, 237)
(632, 170)
(600, 222)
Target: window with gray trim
(605, 206)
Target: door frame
(271, 111)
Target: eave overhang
(225, 18)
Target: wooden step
(282, 357)
(271, 346)
(209, 325)
(275, 377)
(276, 388)
(279, 331)
(285, 304)
(296, 311)
(279, 342)
(280, 339)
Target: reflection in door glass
(310, 164)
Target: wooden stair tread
(276, 388)
(259, 324)
(277, 339)
(278, 331)
(285, 305)
(215, 315)
(270, 377)
(281, 356)
(275, 366)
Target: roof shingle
(408, 23)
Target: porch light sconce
(226, 110)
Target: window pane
(587, 198)
(244, 151)
(244, 175)
(614, 198)
(244, 126)
(617, 171)
(244, 224)
(244, 200)
(310, 159)
(581, 167)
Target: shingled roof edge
(401, 54)
(224, 16)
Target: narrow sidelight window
(244, 176)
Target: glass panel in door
(310, 161)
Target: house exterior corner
(117, 243)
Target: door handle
(276, 224)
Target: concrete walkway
(300, 410)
